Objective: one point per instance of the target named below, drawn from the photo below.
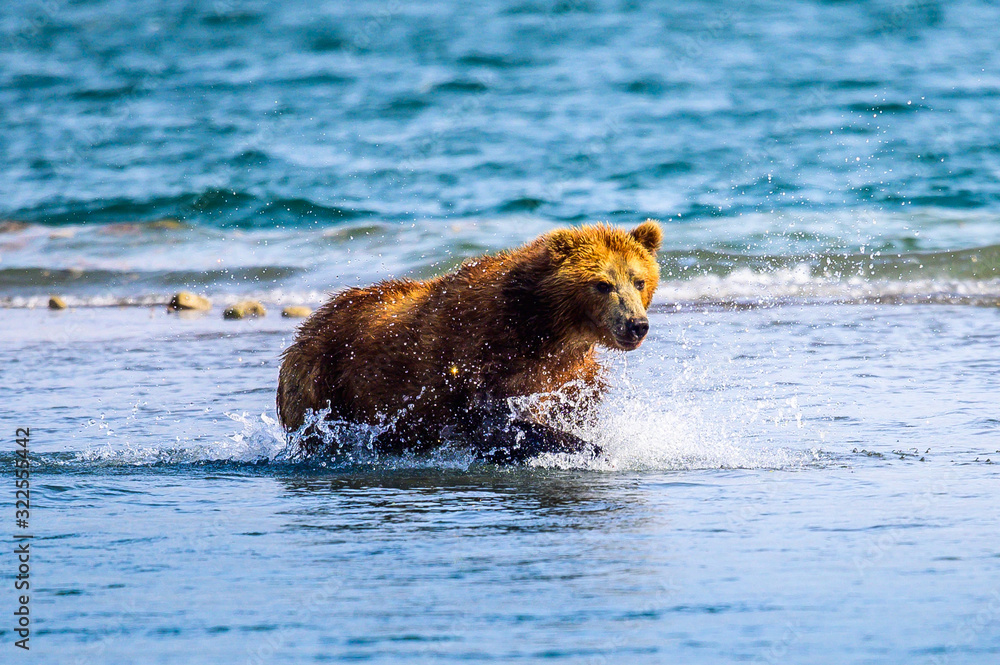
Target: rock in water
(55, 302)
(296, 312)
(244, 309)
(166, 224)
(188, 300)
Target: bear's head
(603, 281)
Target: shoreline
(986, 300)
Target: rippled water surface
(800, 462)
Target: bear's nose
(638, 328)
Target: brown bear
(440, 359)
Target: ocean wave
(798, 285)
(46, 277)
(740, 288)
(921, 257)
(273, 297)
(225, 208)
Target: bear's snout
(637, 328)
(630, 335)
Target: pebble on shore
(244, 309)
(188, 300)
(10, 226)
(296, 312)
(55, 302)
(167, 224)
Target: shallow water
(812, 483)
(800, 461)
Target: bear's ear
(562, 242)
(648, 234)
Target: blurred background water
(800, 459)
(295, 143)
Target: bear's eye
(640, 284)
(604, 287)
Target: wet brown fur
(442, 356)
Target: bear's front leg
(522, 439)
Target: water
(801, 460)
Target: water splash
(659, 414)
(638, 430)
(634, 434)
(261, 440)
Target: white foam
(677, 428)
(645, 422)
(260, 440)
(638, 431)
(799, 282)
(275, 297)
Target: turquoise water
(800, 461)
